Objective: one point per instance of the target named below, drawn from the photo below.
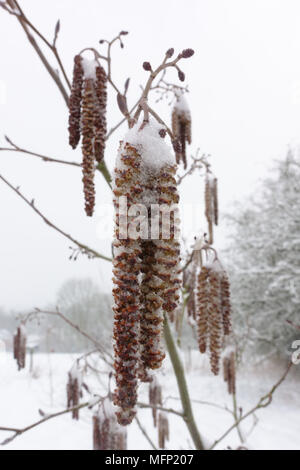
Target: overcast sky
(245, 101)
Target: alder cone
(75, 102)
(88, 162)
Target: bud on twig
(170, 52)
(147, 66)
(186, 53)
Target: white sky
(245, 102)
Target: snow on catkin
(155, 398)
(87, 118)
(126, 270)
(211, 203)
(181, 127)
(107, 433)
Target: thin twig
(144, 432)
(18, 431)
(262, 403)
(84, 248)
(161, 408)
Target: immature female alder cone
(212, 310)
(211, 203)
(163, 430)
(87, 117)
(182, 127)
(107, 433)
(155, 398)
(20, 346)
(74, 391)
(229, 370)
(146, 259)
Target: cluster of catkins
(229, 370)
(107, 433)
(213, 310)
(181, 128)
(20, 346)
(145, 265)
(74, 390)
(87, 118)
(211, 204)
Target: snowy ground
(23, 394)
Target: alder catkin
(88, 161)
(75, 102)
(100, 113)
(202, 307)
(126, 269)
(181, 128)
(163, 430)
(19, 343)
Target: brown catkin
(155, 398)
(168, 249)
(75, 102)
(19, 343)
(73, 394)
(215, 201)
(88, 162)
(151, 324)
(225, 303)
(107, 433)
(229, 373)
(181, 129)
(202, 304)
(100, 113)
(215, 322)
(126, 291)
(163, 430)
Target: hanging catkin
(100, 113)
(107, 433)
(155, 398)
(213, 310)
(87, 117)
(127, 290)
(211, 204)
(229, 370)
(181, 127)
(163, 430)
(75, 102)
(146, 264)
(19, 343)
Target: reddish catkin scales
(88, 158)
(146, 262)
(181, 128)
(202, 301)
(126, 292)
(19, 343)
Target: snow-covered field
(22, 395)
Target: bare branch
(18, 431)
(84, 248)
(263, 402)
(144, 432)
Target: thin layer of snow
(181, 105)
(89, 68)
(154, 151)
